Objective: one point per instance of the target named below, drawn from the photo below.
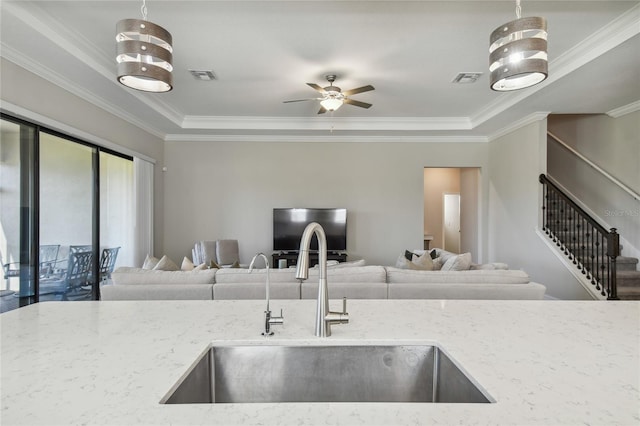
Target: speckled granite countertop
(545, 362)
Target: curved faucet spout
(302, 267)
(324, 317)
(266, 263)
(269, 319)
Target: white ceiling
(263, 52)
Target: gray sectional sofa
(353, 282)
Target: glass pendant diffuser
(144, 55)
(331, 103)
(518, 53)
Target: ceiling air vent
(204, 75)
(467, 77)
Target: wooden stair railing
(589, 245)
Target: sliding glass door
(67, 218)
(66, 215)
(17, 213)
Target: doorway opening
(451, 209)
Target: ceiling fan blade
(316, 87)
(358, 90)
(322, 110)
(300, 100)
(357, 103)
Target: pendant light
(518, 53)
(144, 54)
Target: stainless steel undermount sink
(393, 373)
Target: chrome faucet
(269, 320)
(324, 317)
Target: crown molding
(606, 38)
(48, 74)
(325, 123)
(52, 124)
(525, 121)
(624, 110)
(325, 138)
(49, 27)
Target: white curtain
(143, 201)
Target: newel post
(613, 251)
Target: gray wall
(614, 145)
(24, 89)
(218, 190)
(516, 160)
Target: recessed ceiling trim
(608, 37)
(49, 27)
(525, 121)
(329, 137)
(320, 123)
(64, 83)
(52, 124)
(624, 110)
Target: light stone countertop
(544, 362)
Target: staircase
(628, 278)
(594, 250)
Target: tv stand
(292, 257)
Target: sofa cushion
(396, 275)
(461, 262)
(150, 262)
(166, 264)
(135, 276)
(157, 292)
(237, 275)
(256, 290)
(350, 290)
(187, 264)
(528, 291)
(355, 274)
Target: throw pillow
(403, 263)
(235, 264)
(201, 267)
(461, 262)
(408, 255)
(437, 263)
(166, 264)
(214, 265)
(353, 263)
(433, 253)
(187, 264)
(423, 262)
(150, 262)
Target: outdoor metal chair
(48, 255)
(108, 262)
(78, 269)
(76, 249)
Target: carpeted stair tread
(628, 278)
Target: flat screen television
(289, 224)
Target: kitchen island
(110, 363)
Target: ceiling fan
(333, 97)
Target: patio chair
(48, 259)
(77, 274)
(76, 249)
(48, 255)
(108, 262)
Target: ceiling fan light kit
(333, 97)
(518, 53)
(144, 55)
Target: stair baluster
(591, 247)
